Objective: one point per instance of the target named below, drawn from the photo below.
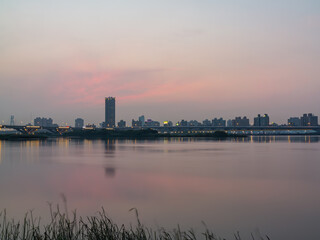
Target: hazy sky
(166, 59)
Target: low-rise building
(151, 123)
(294, 121)
(240, 122)
(167, 124)
(122, 124)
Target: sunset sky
(166, 59)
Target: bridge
(33, 129)
(189, 130)
(248, 130)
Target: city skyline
(306, 119)
(164, 60)
(110, 119)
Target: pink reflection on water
(228, 185)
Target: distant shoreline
(110, 134)
(148, 134)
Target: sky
(167, 60)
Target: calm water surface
(266, 184)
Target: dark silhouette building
(110, 112)
(79, 123)
(11, 120)
(294, 121)
(240, 122)
(44, 122)
(218, 122)
(135, 123)
(122, 124)
(151, 123)
(206, 123)
(142, 120)
(183, 123)
(309, 120)
(167, 124)
(261, 120)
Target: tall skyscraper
(110, 112)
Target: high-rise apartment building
(261, 120)
(309, 120)
(79, 123)
(218, 122)
(206, 123)
(142, 120)
(11, 120)
(110, 112)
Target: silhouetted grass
(99, 227)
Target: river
(261, 184)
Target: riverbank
(111, 134)
(142, 134)
(100, 226)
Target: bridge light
(63, 127)
(34, 127)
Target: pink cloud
(89, 87)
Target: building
(167, 124)
(229, 123)
(90, 126)
(151, 123)
(261, 120)
(11, 120)
(183, 123)
(218, 122)
(240, 122)
(110, 112)
(44, 122)
(122, 124)
(142, 120)
(294, 121)
(194, 123)
(79, 123)
(135, 123)
(206, 123)
(309, 120)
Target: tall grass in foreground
(61, 227)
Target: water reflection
(231, 184)
(110, 171)
(252, 139)
(289, 139)
(79, 142)
(110, 149)
(0, 152)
